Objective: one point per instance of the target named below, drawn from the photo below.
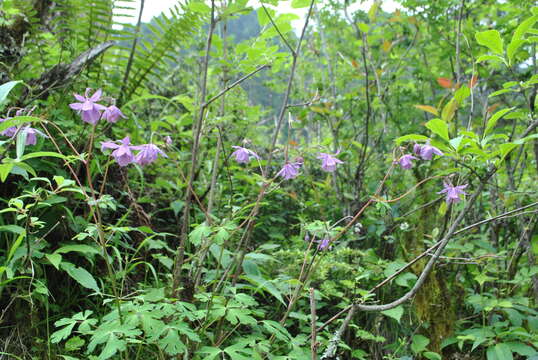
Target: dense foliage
(232, 181)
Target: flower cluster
(425, 152)
(123, 152)
(290, 170)
(31, 133)
(91, 111)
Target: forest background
(236, 181)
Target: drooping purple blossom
(453, 192)
(417, 148)
(427, 151)
(405, 161)
(113, 114)
(329, 162)
(122, 153)
(31, 135)
(88, 107)
(242, 155)
(148, 153)
(289, 170)
(324, 244)
(168, 140)
(10, 131)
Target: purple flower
(168, 140)
(31, 135)
(417, 148)
(453, 192)
(405, 161)
(242, 155)
(122, 153)
(426, 151)
(289, 171)
(112, 114)
(148, 154)
(324, 244)
(329, 162)
(10, 131)
(88, 107)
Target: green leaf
(298, 4)
(5, 89)
(432, 355)
(449, 110)
(199, 7)
(503, 352)
(21, 143)
(521, 348)
(410, 137)
(55, 260)
(419, 343)
(43, 154)
(492, 121)
(494, 58)
(491, 39)
(16, 229)
(5, 170)
(200, 232)
(81, 276)
(438, 127)
(81, 248)
(395, 313)
(16, 121)
(210, 352)
(462, 93)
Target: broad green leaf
(5, 89)
(432, 355)
(521, 348)
(55, 260)
(81, 276)
(5, 170)
(503, 352)
(491, 39)
(298, 4)
(16, 229)
(492, 121)
(419, 343)
(494, 58)
(438, 127)
(395, 313)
